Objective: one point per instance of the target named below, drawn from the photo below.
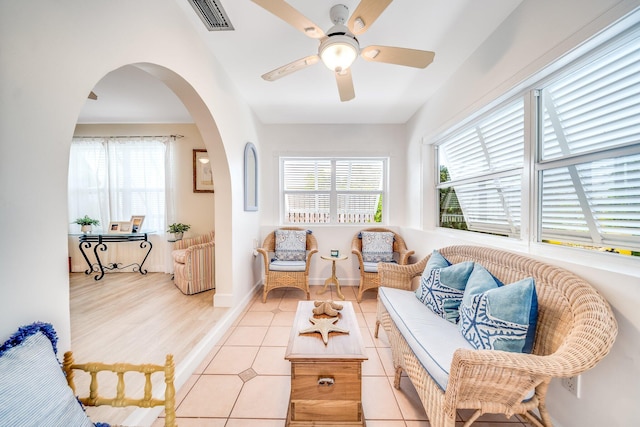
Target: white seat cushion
(287, 265)
(372, 267)
(431, 338)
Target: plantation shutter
(484, 162)
(359, 189)
(332, 190)
(307, 187)
(590, 151)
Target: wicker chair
(274, 279)
(370, 279)
(576, 329)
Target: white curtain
(113, 178)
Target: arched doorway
(131, 325)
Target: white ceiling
(261, 42)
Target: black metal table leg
(102, 247)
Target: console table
(99, 242)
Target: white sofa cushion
(431, 338)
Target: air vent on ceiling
(212, 14)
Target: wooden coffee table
(326, 380)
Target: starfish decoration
(324, 326)
(329, 308)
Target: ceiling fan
(339, 46)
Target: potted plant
(177, 229)
(86, 223)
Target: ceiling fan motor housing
(339, 14)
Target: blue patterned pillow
(494, 316)
(442, 285)
(291, 245)
(33, 389)
(377, 246)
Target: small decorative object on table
(335, 253)
(324, 326)
(329, 308)
(86, 223)
(178, 229)
(136, 223)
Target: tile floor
(245, 380)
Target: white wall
(330, 140)
(51, 55)
(536, 34)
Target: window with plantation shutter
(480, 173)
(576, 163)
(326, 190)
(589, 156)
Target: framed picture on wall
(202, 173)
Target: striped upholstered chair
(194, 263)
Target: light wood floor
(128, 317)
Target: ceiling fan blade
(290, 15)
(291, 68)
(398, 55)
(345, 85)
(365, 14)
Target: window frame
(333, 191)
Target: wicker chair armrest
(265, 257)
(355, 249)
(310, 254)
(403, 256)
(476, 374)
(399, 276)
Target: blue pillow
(33, 389)
(442, 285)
(291, 245)
(494, 316)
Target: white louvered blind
(332, 190)
(590, 151)
(484, 162)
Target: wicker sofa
(575, 329)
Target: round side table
(333, 278)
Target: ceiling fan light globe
(338, 52)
